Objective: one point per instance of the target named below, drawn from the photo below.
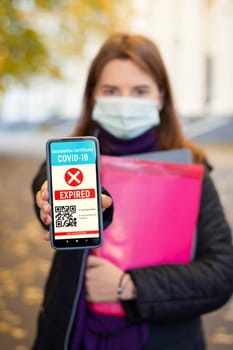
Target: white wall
(222, 53)
(191, 33)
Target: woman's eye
(141, 91)
(109, 92)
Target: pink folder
(156, 208)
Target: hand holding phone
(74, 193)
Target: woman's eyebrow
(106, 86)
(142, 86)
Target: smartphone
(74, 192)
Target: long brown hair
(145, 54)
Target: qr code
(64, 216)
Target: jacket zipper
(76, 300)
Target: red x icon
(73, 177)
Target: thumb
(93, 260)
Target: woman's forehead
(117, 71)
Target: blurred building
(195, 38)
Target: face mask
(126, 117)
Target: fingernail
(109, 200)
(42, 195)
(45, 219)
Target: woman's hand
(102, 281)
(102, 278)
(42, 201)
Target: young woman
(128, 105)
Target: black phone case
(84, 244)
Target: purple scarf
(94, 331)
(111, 145)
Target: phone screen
(74, 190)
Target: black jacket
(171, 298)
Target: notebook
(156, 207)
(183, 156)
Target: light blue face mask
(126, 117)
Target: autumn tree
(37, 35)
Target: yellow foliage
(37, 36)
